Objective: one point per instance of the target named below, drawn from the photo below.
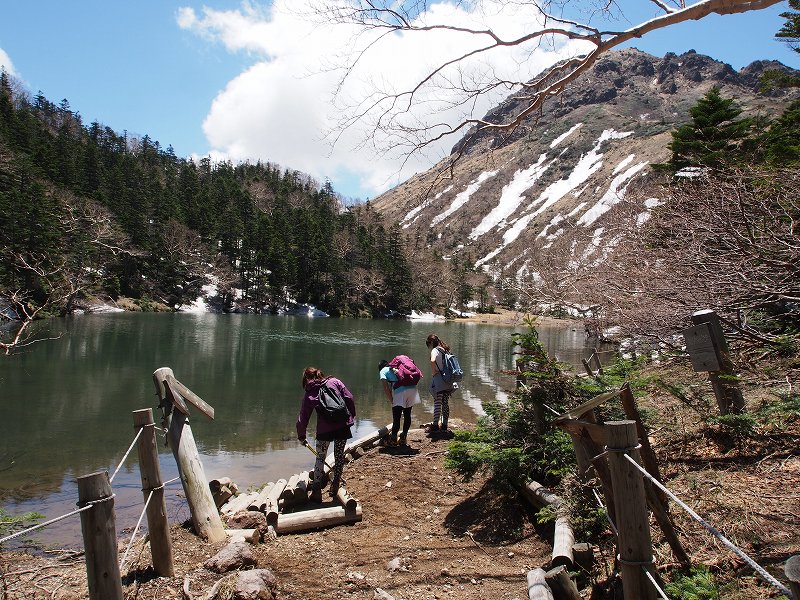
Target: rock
(258, 584)
(235, 555)
(248, 519)
(382, 595)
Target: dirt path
(450, 539)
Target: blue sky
(238, 80)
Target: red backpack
(407, 371)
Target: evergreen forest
(91, 213)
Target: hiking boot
(391, 442)
(433, 427)
(403, 441)
(316, 496)
(443, 428)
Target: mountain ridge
(557, 177)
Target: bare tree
(727, 242)
(454, 84)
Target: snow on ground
(614, 194)
(426, 316)
(413, 214)
(511, 197)
(564, 136)
(463, 197)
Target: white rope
(756, 567)
(124, 458)
(136, 529)
(55, 520)
(655, 584)
(608, 517)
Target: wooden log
(221, 496)
(561, 584)
(315, 519)
(205, 515)
(634, 545)
(345, 499)
(537, 586)
(240, 502)
(539, 496)
(563, 536)
(260, 501)
(99, 529)
(150, 472)
(251, 536)
(792, 571)
(216, 484)
(271, 509)
(369, 440)
(288, 494)
(583, 556)
(563, 540)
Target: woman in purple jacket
(313, 380)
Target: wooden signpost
(708, 351)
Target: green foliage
(170, 222)
(698, 584)
(790, 31)
(11, 523)
(712, 138)
(514, 441)
(779, 413)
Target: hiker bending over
(440, 389)
(400, 386)
(332, 425)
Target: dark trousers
(406, 413)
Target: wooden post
(99, 529)
(562, 585)
(634, 545)
(150, 471)
(205, 516)
(724, 381)
(537, 586)
(792, 571)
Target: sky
(254, 81)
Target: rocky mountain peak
(512, 195)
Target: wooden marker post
(150, 470)
(634, 545)
(99, 529)
(174, 395)
(709, 351)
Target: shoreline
(511, 318)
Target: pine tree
(713, 137)
(790, 32)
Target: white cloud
(5, 62)
(280, 108)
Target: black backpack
(331, 405)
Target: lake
(68, 401)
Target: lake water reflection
(68, 402)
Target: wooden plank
(700, 346)
(190, 396)
(173, 397)
(579, 411)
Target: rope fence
(92, 503)
(141, 516)
(711, 529)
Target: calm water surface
(68, 402)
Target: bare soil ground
(458, 540)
